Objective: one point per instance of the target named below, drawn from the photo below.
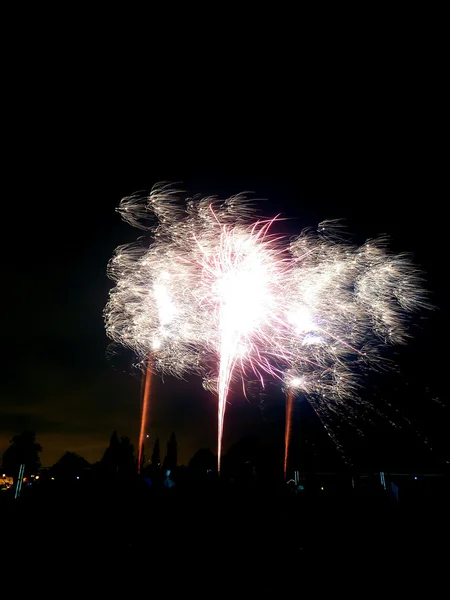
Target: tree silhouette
(156, 458)
(110, 460)
(242, 458)
(127, 463)
(203, 461)
(118, 459)
(171, 458)
(25, 450)
(70, 466)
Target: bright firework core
(217, 294)
(242, 276)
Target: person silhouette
(168, 482)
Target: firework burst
(214, 292)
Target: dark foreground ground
(214, 536)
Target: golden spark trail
(144, 411)
(288, 426)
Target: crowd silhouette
(249, 518)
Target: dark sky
(367, 147)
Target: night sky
(369, 157)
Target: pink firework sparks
(241, 280)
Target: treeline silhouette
(106, 511)
(248, 519)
